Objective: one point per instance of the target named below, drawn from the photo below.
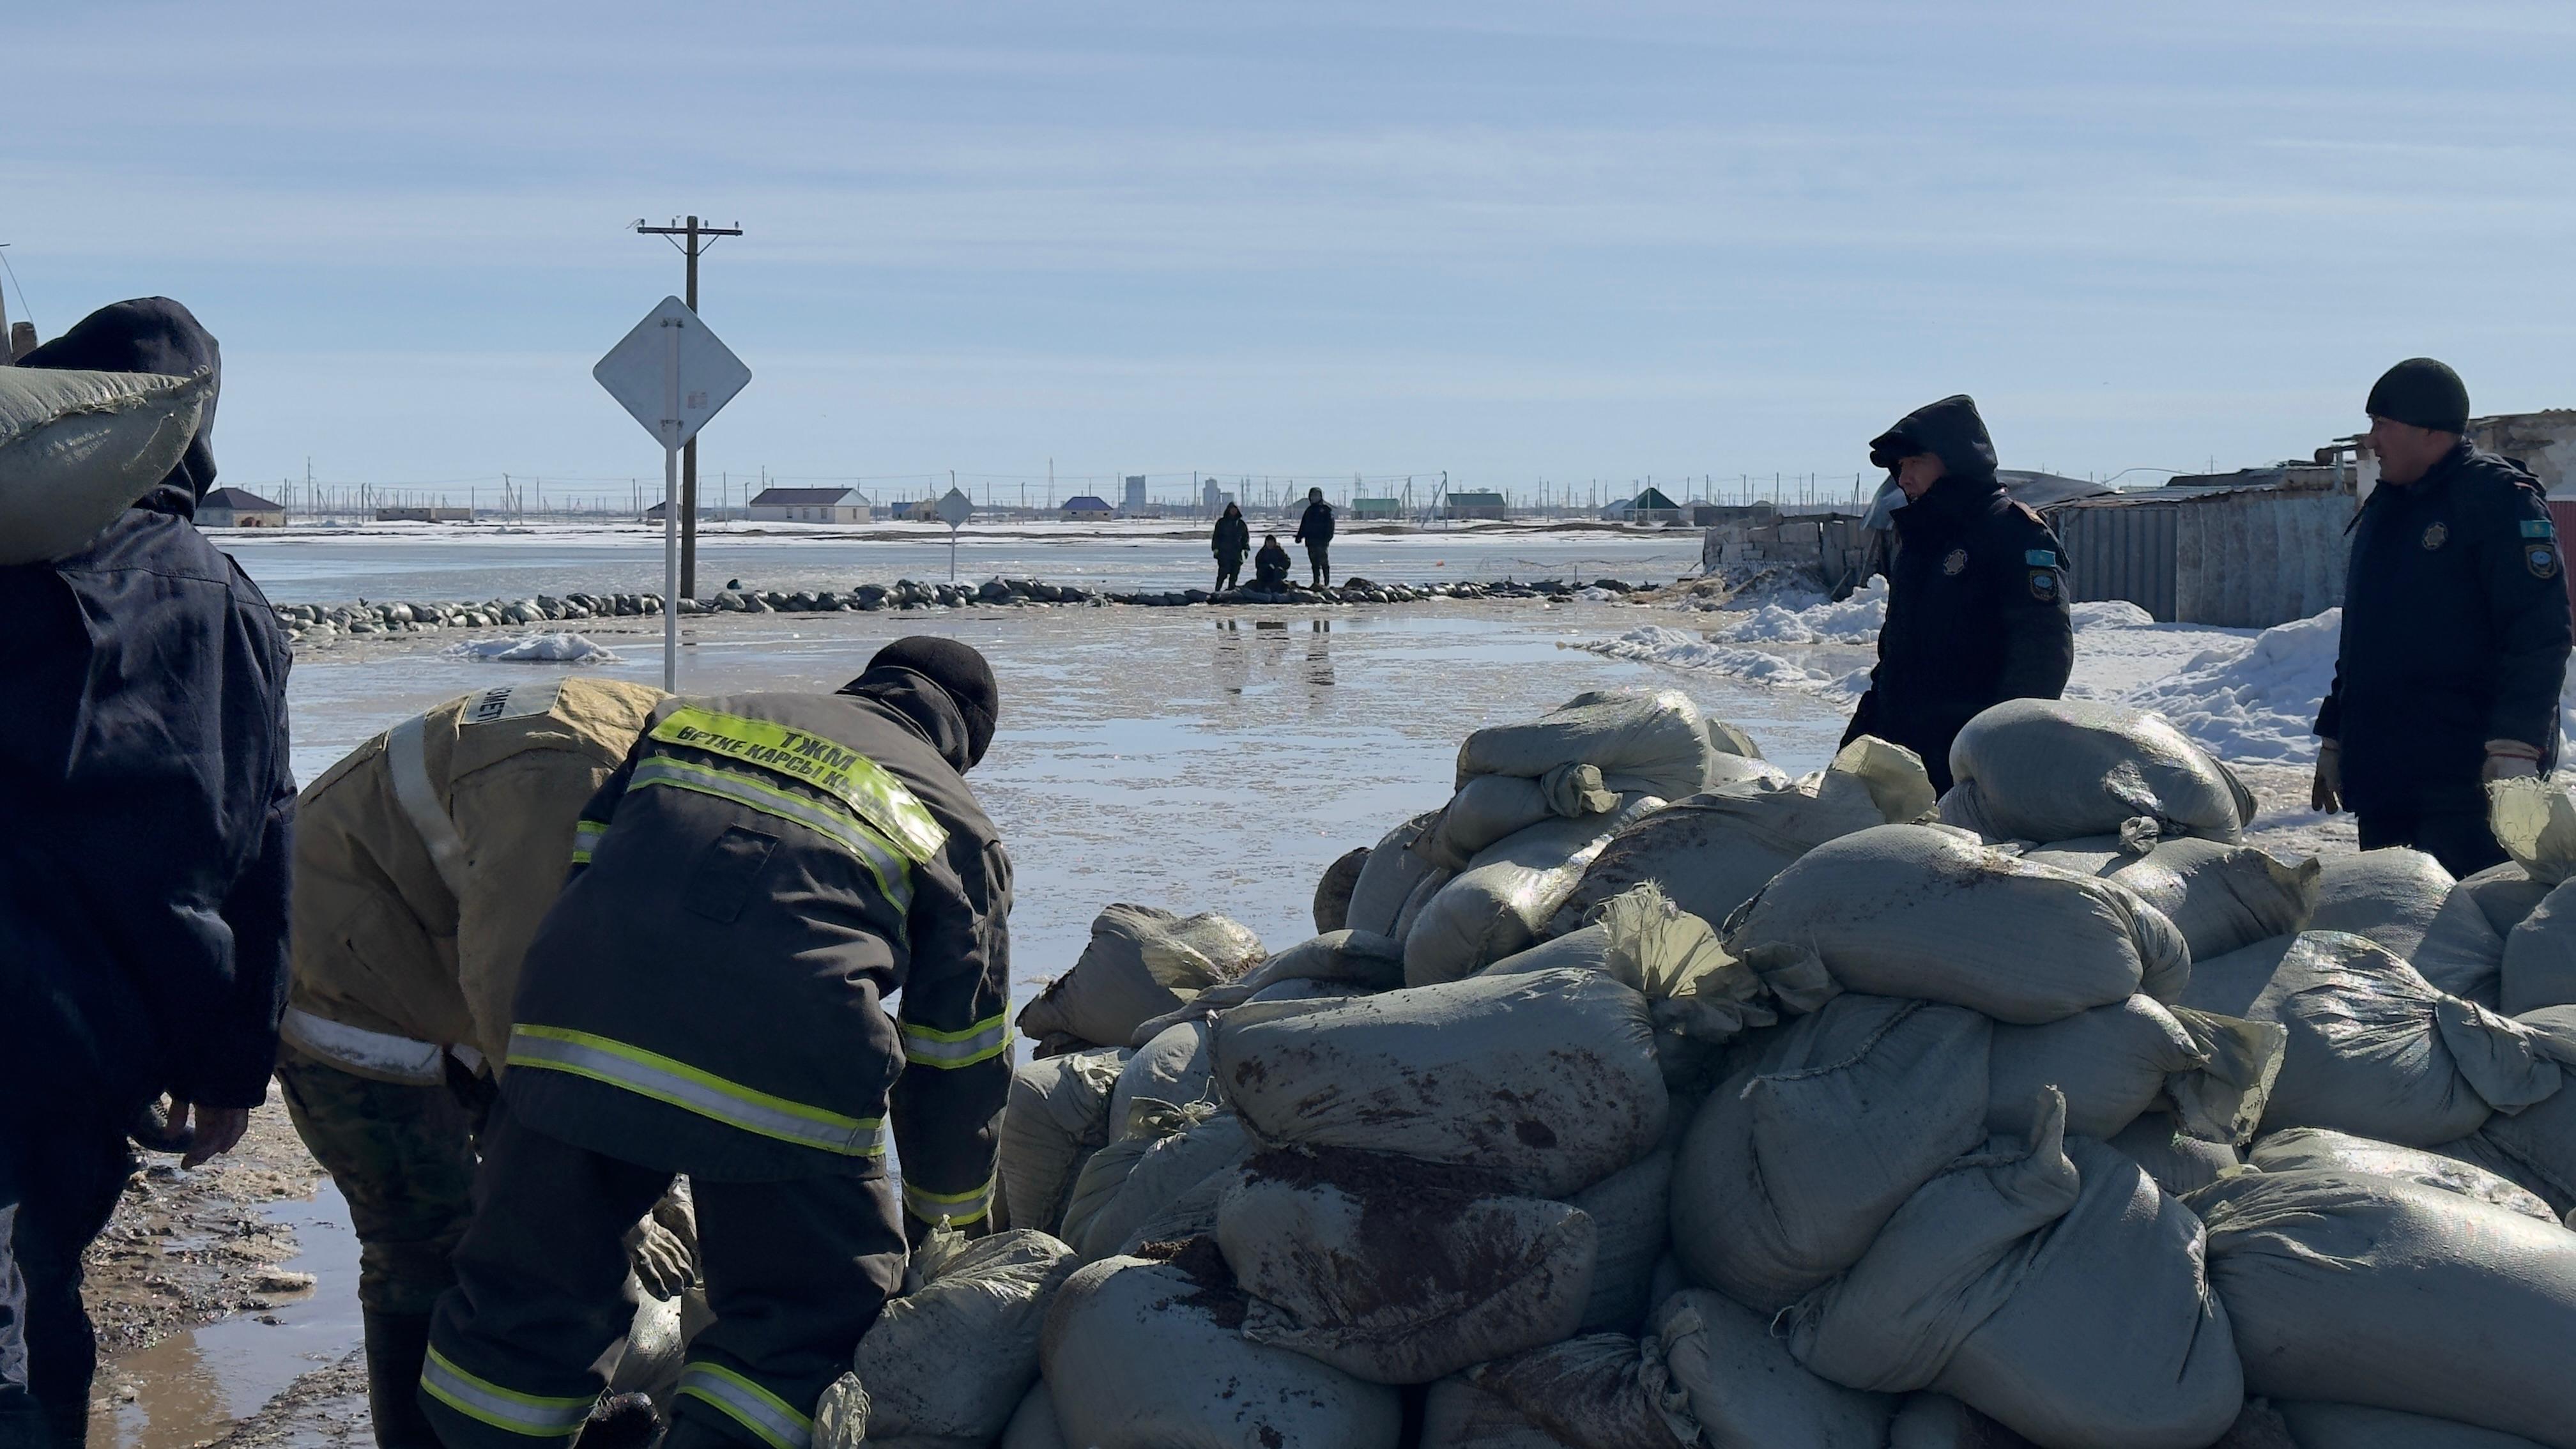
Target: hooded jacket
(143, 876)
(1976, 597)
(1233, 538)
(1315, 525)
(1270, 566)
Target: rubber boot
(397, 1345)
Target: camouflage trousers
(403, 1157)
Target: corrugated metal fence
(2242, 558)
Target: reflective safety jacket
(425, 861)
(766, 870)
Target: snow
(558, 648)
(1855, 620)
(2252, 699)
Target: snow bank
(559, 648)
(1855, 620)
(2253, 700)
(1682, 649)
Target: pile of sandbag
(1141, 963)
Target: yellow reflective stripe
(893, 873)
(930, 1207)
(825, 765)
(665, 1079)
(748, 1404)
(487, 1402)
(983, 1041)
(585, 839)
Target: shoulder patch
(2541, 559)
(2040, 558)
(2436, 536)
(2043, 585)
(1955, 562)
(2539, 528)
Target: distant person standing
(1270, 566)
(1233, 540)
(1315, 530)
(2455, 632)
(1976, 591)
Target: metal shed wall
(2247, 558)
(2121, 552)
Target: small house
(1473, 505)
(1651, 506)
(238, 508)
(1087, 508)
(810, 505)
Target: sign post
(954, 509)
(671, 374)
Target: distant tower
(1135, 494)
(1212, 498)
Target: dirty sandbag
(1549, 1078)
(2353, 1426)
(2048, 1283)
(1166, 1151)
(79, 448)
(1938, 1421)
(1911, 910)
(1791, 1168)
(1358, 958)
(1397, 1271)
(2220, 896)
(1141, 963)
(1139, 1352)
(2479, 1151)
(1458, 1415)
(945, 1365)
(2322, 1149)
(1388, 877)
(1171, 1067)
(1334, 888)
(1672, 958)
(2063, 769)
(1490, 807)
(2114, 1062)
(2358, 1289)
(2535, 822)
(1713, 851)
(1499, 903)
(1033, 1424)
(1599, 1391)
(1652, 742)
(2179, 1164)
(1631, 1215)
(2539, 965)
(1055, 1117)
(1749, 1392)
(2389, 895)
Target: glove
(2325, 793)
(2510, 760)
(662, 1261)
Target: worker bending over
(706, 998)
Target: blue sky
(1507, 240)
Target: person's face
(1917, 474)
(2407, 452)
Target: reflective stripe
(835, 769)
(650, 1074)
(980, 1042)
(893, 872)
(407, 761)
(754, 1407)
(585, 839)
(377, 1054)
(481, 1399)
(930, 1207)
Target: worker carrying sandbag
(423, 864)
(2455, 632)
(1976, 598)
(707, 997)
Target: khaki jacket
(426, 859)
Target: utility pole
(700, 237)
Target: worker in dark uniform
(1232, 541)
(2455, 632)
(1270, 566)
(1976, 591)
(1315, 530)
(707, 997)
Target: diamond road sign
(955, 508)
(639, 373)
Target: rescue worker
(1976, 591)
(2455, 632)
(1270, 566)
(706, 997)
(143, 874)
(1232, 541)
(423, 863)
(1315, 530)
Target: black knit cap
(960, 672)
(2422, 392)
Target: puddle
(199, 1385)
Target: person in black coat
(1315, 530)
(143, 876)
(1233, 540)
(2455, 632)
(1270, 566)
(1976, 591)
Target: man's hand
(199, 1133)
(2325, 793)
(662, 1262)
(2510, 760)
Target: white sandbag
(2353, 1426)
(1749, 1392)
(1490, 807)
(1908, 910)
(1141, 963)
(2063, 769)
(1498, 904)
(2321, 1149)
(2359, 1289)
(78, 448)
(2049, 1284)
(1710, 853)
(2535, 822)
(1599, 1391)
(2539, 1142)
(2220, 896)
(2179, 1164)
(1630, 1212)
(1549, 1079)
(1458, 1415)
(1651, 742)
(2114, 1062)
(1334, 888)
(1792, 1167)
(1387, 878)
(2539, 965)
(1146, 1353)
(1396, 1271)
(1055, 1117)
(1171, 1067)
(947, 1363)
(1166, 1152)
(1033, 1424)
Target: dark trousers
(404, 1158)
(61, 1173)
(1228, 571)
(795, 1272)
(1317, 558)
(2460, 839)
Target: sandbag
(79, 448)
(2179, 1164)
(1793, 1166)
(1141, 963)
(1711, 852)
(1749, 1392)
(2481, 1152)
(1425, 891)
(1696, 993)
(1630, 1212)
(1599, 1391)
(1146, 1353)
(1652, 742)
(947, 1363)
(2049, 1284)
(1732, 740)
(1363, 959)
(2219, 896)
(1387, 878)
(1497, 905)
(2359, 1289)
(2540, 1142)
(1167, 1151)
(1396, 1271)
(2539, 964)
(2114, 1062)
(2462, 952)
(1938, 1421)
(1055, 1117)
(2320, 1149)
(2353, 1426)
(1548, 1078)
(1490, 807)
(2389, 896)
(1033, 1424)
(1909, 910)
(2063, 769)
(2535, 822)
(1458, 1415)
(1172, 1066)
(1333, 890)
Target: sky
(1514, 242)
